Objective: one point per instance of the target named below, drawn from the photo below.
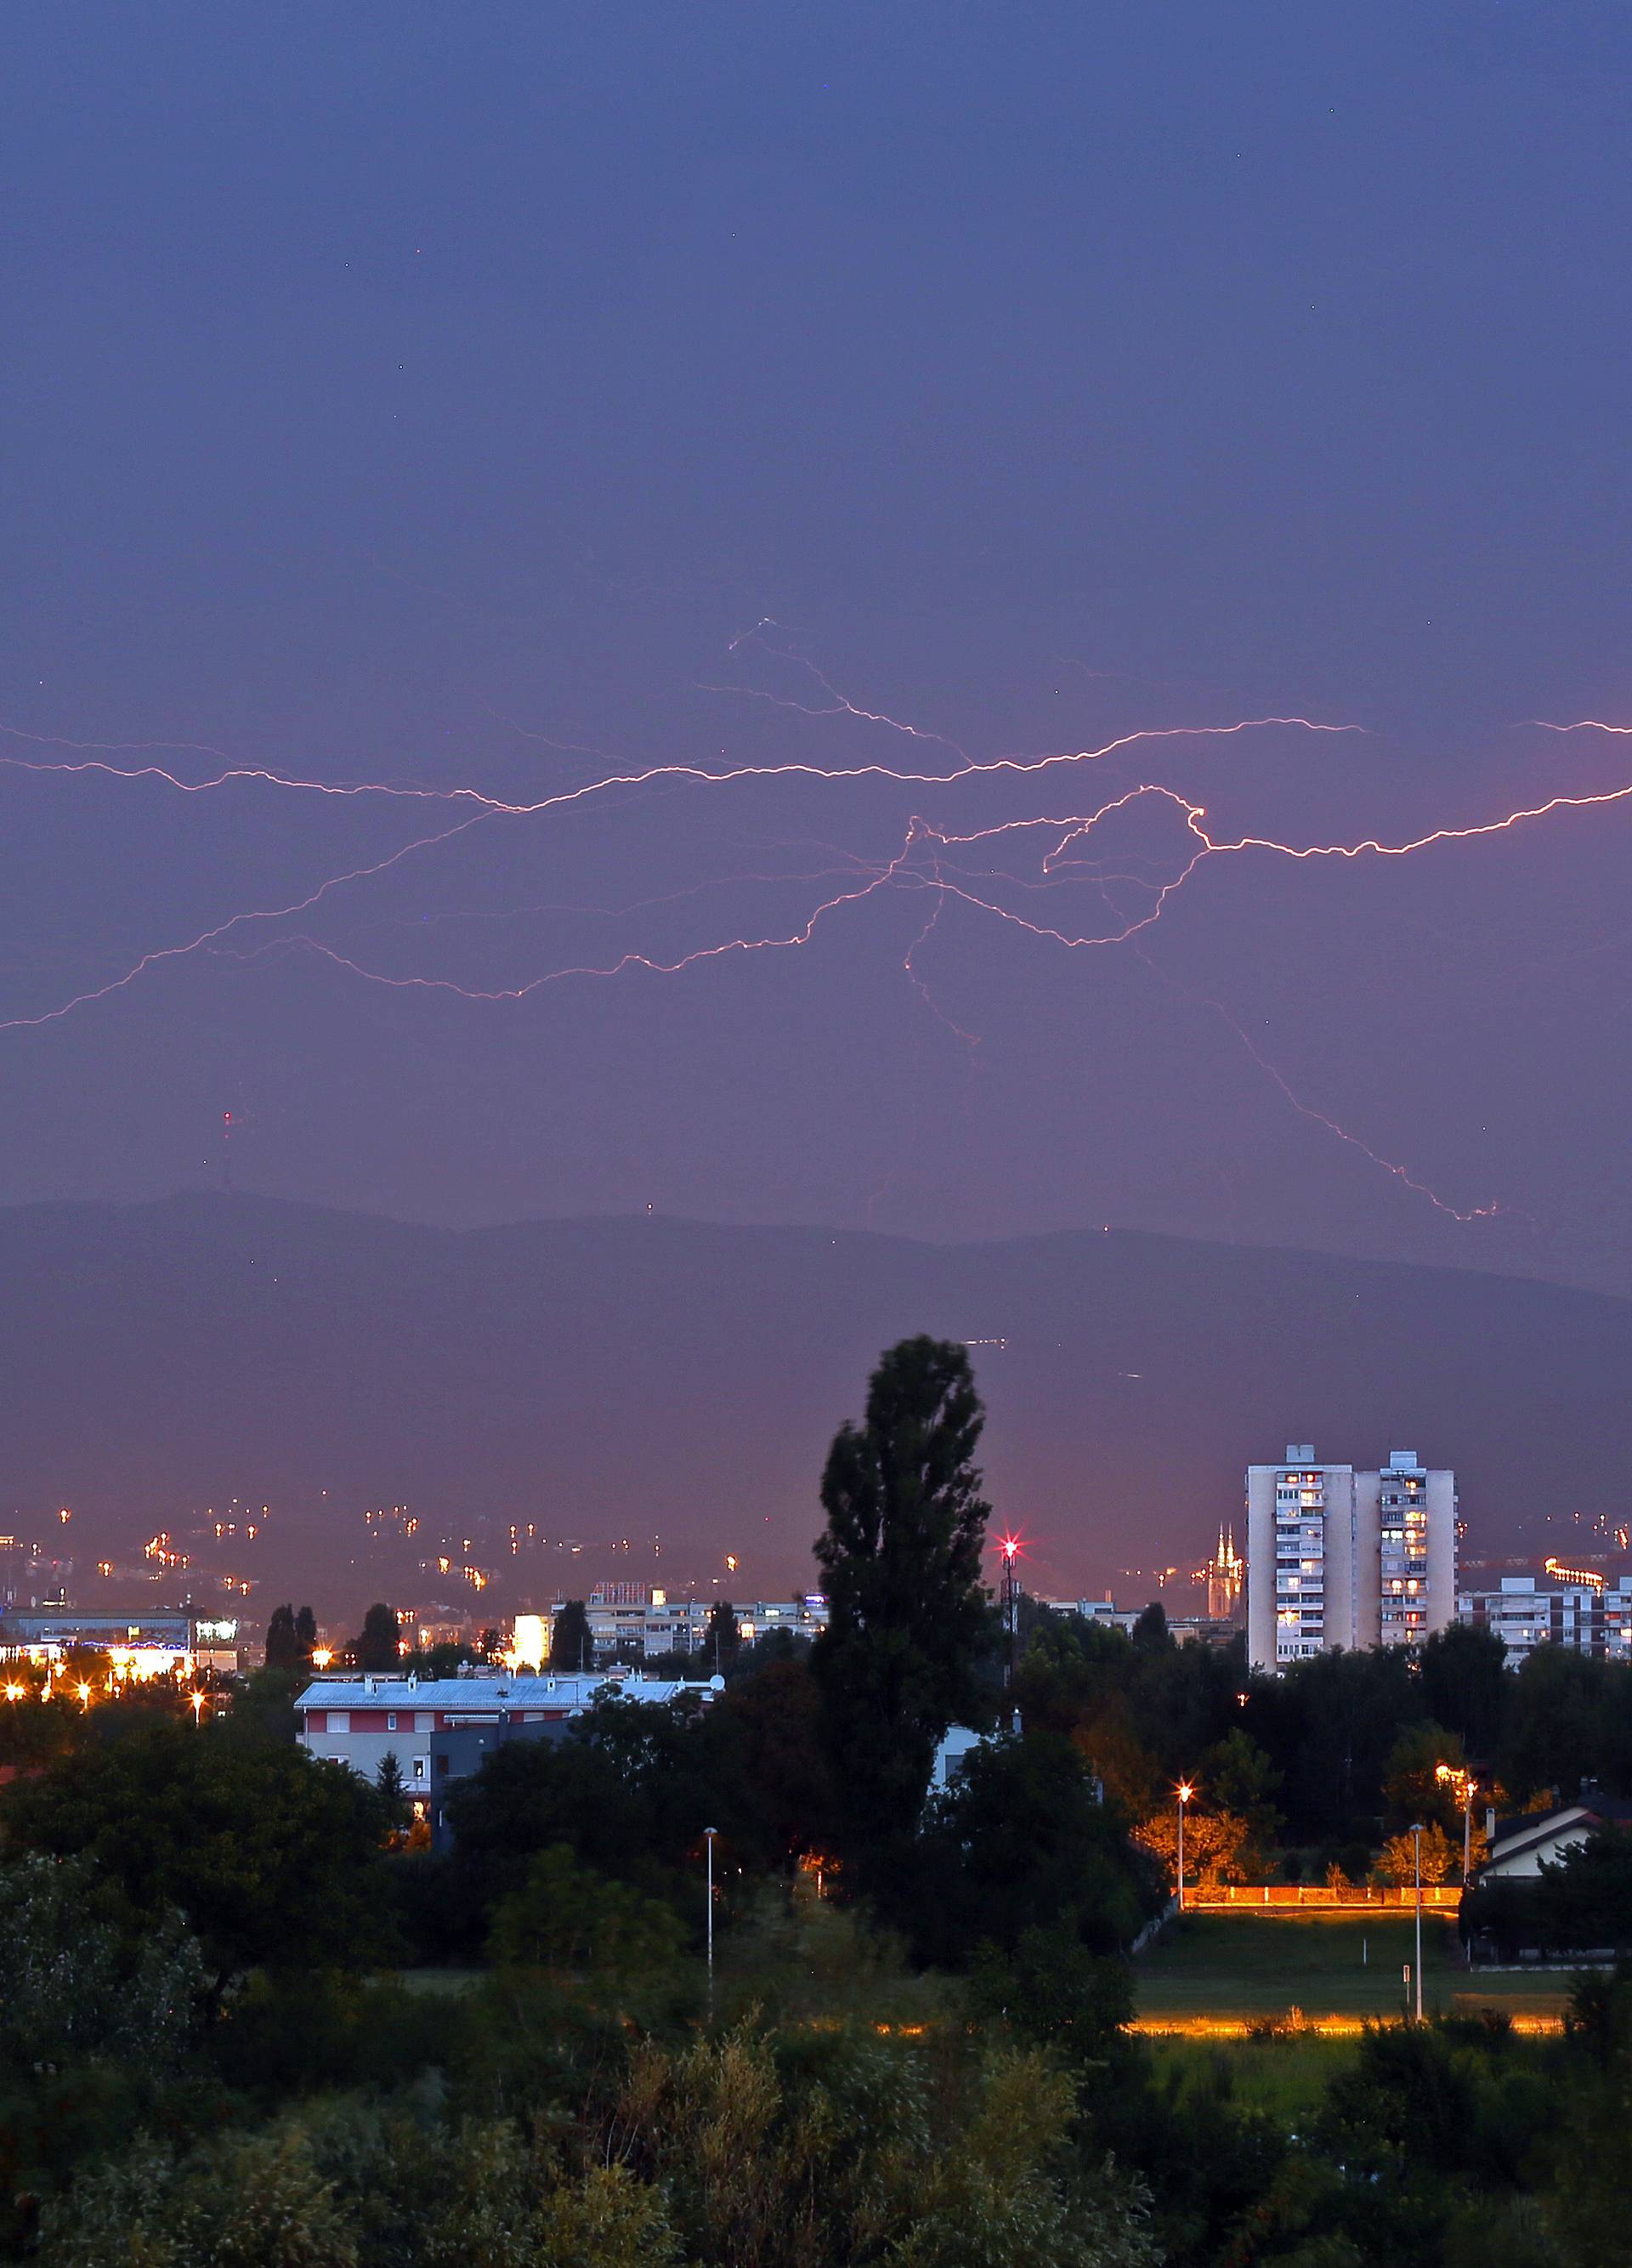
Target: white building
(628, 1620)
(955, 1747)
(143, 1642)
(1097, 1610)
(1340, 1556)
(1518, 1846)
(1558, 1606)
(361, 1720)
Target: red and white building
(359, 1720)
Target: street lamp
(1417, 1855)
(1010, 1596)
(708, 1834)
(1185, 1792)
(197, 1702)
(1458, 1777)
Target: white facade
(1301, 1529)
(1415, 1526)
(1341, 1556)
(952, 1752)
(1522, 1846)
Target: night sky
(504, 398)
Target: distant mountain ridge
(613, 1377)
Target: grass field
(1287, 2077)
(1246, 1965)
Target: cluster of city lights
(127, 1666)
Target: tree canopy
(380, 1647)
(571, 1647)
(901, 1556)
(268, 1854)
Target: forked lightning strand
(933, 856)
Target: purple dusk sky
(439, 398)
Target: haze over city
(934, 625)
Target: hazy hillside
(617, 1377)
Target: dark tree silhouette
(1149, 1632)
(722, 1641)
(394, 1802)
(572, 1648)
(902, 1557)
(283, 1643)
(379, 1648)
(305, 1634)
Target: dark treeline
(1339, 1751)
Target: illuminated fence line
(1255, 1896)
(1327, 2027)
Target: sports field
(1243, 1966)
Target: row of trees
(292, 1637)
(1337, 1755)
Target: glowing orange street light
(197, 1700)
(1185, 1792)
(1459, 1778)
(84, 1695)
(321, 1656)
(13, 1692)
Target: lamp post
(1416, 1852)
(1008, 1597)
(708, 1834)
(1457, 1776)
(1185, 1792)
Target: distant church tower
(1226, 1572)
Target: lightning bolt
(930, 857)
(208, 938)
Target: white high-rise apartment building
(1340, 1556)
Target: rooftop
(359, 1690)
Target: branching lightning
(1055, 853)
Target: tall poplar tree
(282, 1645)
(379, 1648)
(722, 1641)
(901, 1556)
(571, 1643)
